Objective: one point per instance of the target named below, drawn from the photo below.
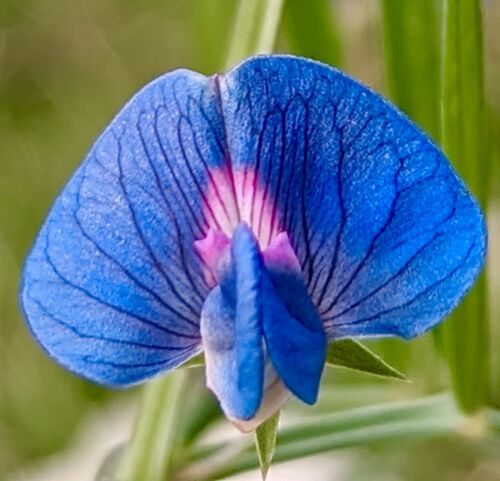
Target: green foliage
(66, 67)
(411, 46)
(148, 455)
(387, 423)
(255, 29)
(265, 442)
(464, 141)
(352, 354)
(310, 29)
(347, 353)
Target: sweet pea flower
(254, 216)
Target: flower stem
(150, 451)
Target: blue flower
(254, 216)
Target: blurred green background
(66, 66)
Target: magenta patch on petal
(280, 254)
(220, 207)
(211, 249)
(240, 197)
(256, 207)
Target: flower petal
(387, 236)
(231, 330)
(234, 358)
(113, 288)
(294, 334)
(261, 334)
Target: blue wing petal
(112, 288)
(387, 235)
(295, 342)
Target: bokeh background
(66, 66)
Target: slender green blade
(412, 55)
(149, 453)
(255, 32)
(265, 442)
(311, 30)
(256, 29)
(390, 422)
(463, 139)
(354, 355)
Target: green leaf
(265, 442)
(354, 355)
(346, 353)
(463, 138)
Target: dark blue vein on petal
(156, 263)
(105, 303)
(350, 185)
(347, 177)
(113, 288)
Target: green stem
(149, 453)
(255, 29)
(255, 32)
(463, 139)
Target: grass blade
(255, 29)
(148, 455)
(431, 417)
(412, 46)
(463, 139)
(311, 30)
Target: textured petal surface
(112, 287)
(387, 236)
